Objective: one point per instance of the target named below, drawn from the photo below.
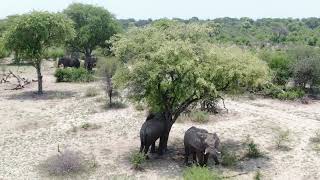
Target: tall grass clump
(200, 116)
(200, 173)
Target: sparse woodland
(77, 86)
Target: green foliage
(280, 64)
(32, 34)
(3, 51)
(137, 159)
(73, 75)
(279, 92)
(174, 64)
(252, 149)
(54, 53)
(94, 26)
(200, 173)
(200, 116)
(291, 94)
(258, 176)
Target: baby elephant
(200, 143)
(152, 129)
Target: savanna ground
(32, 127)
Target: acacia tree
(170, 65)
(32, 34)
(94, 26)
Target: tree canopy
(171, 65)
(94, 25)
(32, 34)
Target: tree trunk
(38, 67)
(169, 123)
(88, 61)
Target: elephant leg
(194, 157)
(153, 147)
(141, 147)
(206, 157)
(161, 145)
(200, 158)
(215, 158)
(146, 149)
(186, 155)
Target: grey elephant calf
(152, 129)
(200, 143)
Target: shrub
(252, 149)
(137, 159)
(228, 158)
(279, 92)
(315, 141)
(3, 51)
(282, 138)
(200, 116)
(291, 94)
(73, 75)
(200, 173)
(89, 126)
(66, 162)
(92, 92)
(258, 176)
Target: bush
(279, 63)
(315, 141)
(282, 138)
(291, 95)
(200, 173)
(200, 116)
(73, 75)
(258, 176)
(228, 158)
(279, 92)
(252, 149)
(92, 92)
(137, 159)
(66, 162)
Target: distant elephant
(200, 143)
(152, 130)
(69, 62)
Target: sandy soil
(31, 127)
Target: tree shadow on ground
(47, 95)
(171, 164)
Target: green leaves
(94, 25)
(33, 33)
(170, 64)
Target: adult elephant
(69, 62)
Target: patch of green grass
(315, 141)
(116, 105)
(258, 176)
(200, 173)
(89, 126)
(139, 107)
(282, 139)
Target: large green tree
(170, 65)
(32, 34)
(94, 26)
